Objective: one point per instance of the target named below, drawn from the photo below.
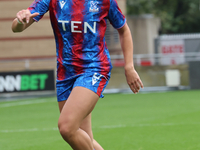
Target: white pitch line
(148, 125)
(29, 130)
(24, 103)
(100, 127)
(113, 126)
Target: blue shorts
(93, 81)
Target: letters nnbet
(26, 81)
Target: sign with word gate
(27, 81)
(172, 52)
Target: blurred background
(166, 37)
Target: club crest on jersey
(93, 6)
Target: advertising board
(27, 81)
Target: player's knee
(66, 130)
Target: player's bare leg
(77, 107)
(87, 127)
(97, 146)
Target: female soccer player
(83, 61)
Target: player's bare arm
(132, 76)
(23, 20)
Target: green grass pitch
(151, 121)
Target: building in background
(39, 41)
(28, 50)
(144, 30)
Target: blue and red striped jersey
(79, 27)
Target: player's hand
(133, 80)
(25, 15)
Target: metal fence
(14, 64)
(151, 75)
(156, 59)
